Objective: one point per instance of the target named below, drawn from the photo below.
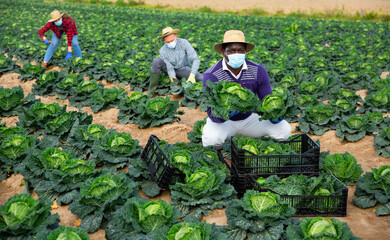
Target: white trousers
(215, 134)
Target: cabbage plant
(105, 98)
(157, 111)
(318, 119)
(35, 116)
(201, 191)
(354, 128)
(225, 96)
(304, 101)
(82, 137)
(64, 86)
(311, 87)
(62, 232)
(45, 83)
(29, 71)
(189, 230)
(343, 166)
(100, 196)
(11, 100)
(128, 107)
(56, 173)
(192, 97)
(83, 93)
(22, 216)
(259, 215)
(377, 83)
(115, 149)
(378, 101)
(14, 148)
(382, 142)
(320, 228)
(138, 219)
(373, 188)
(375, 117)
(62, 125)
(6, 64)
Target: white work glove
(191, 78)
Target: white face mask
(172, 44)
(236, 60)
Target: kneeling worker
(235, 68)
(176, 57)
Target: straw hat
(234, 36)
(55, 15)
(168, 31)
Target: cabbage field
(73, 138)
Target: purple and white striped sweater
(254, 78)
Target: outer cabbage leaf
(195, 136)
(382, 142)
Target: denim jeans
(55, 40)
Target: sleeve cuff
(277, 120)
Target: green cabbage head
(68, 233)
(24, 215)
(42, 110)
(53, 158)
(151, 215)
(321, 228)
(344, 167)
(14, 146)
(189, 231)
(383, 174)
(320, 114)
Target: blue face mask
(236, 60)
(58, 23)
(172, 44)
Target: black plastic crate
(333, 205)
(244, 182)
(305, 161)
(158, 164)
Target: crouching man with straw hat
(233, 67)
(59, 23)
(176, 57)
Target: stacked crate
(247, 167)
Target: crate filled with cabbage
(266, 156)
(323, 195)
(169, 163)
